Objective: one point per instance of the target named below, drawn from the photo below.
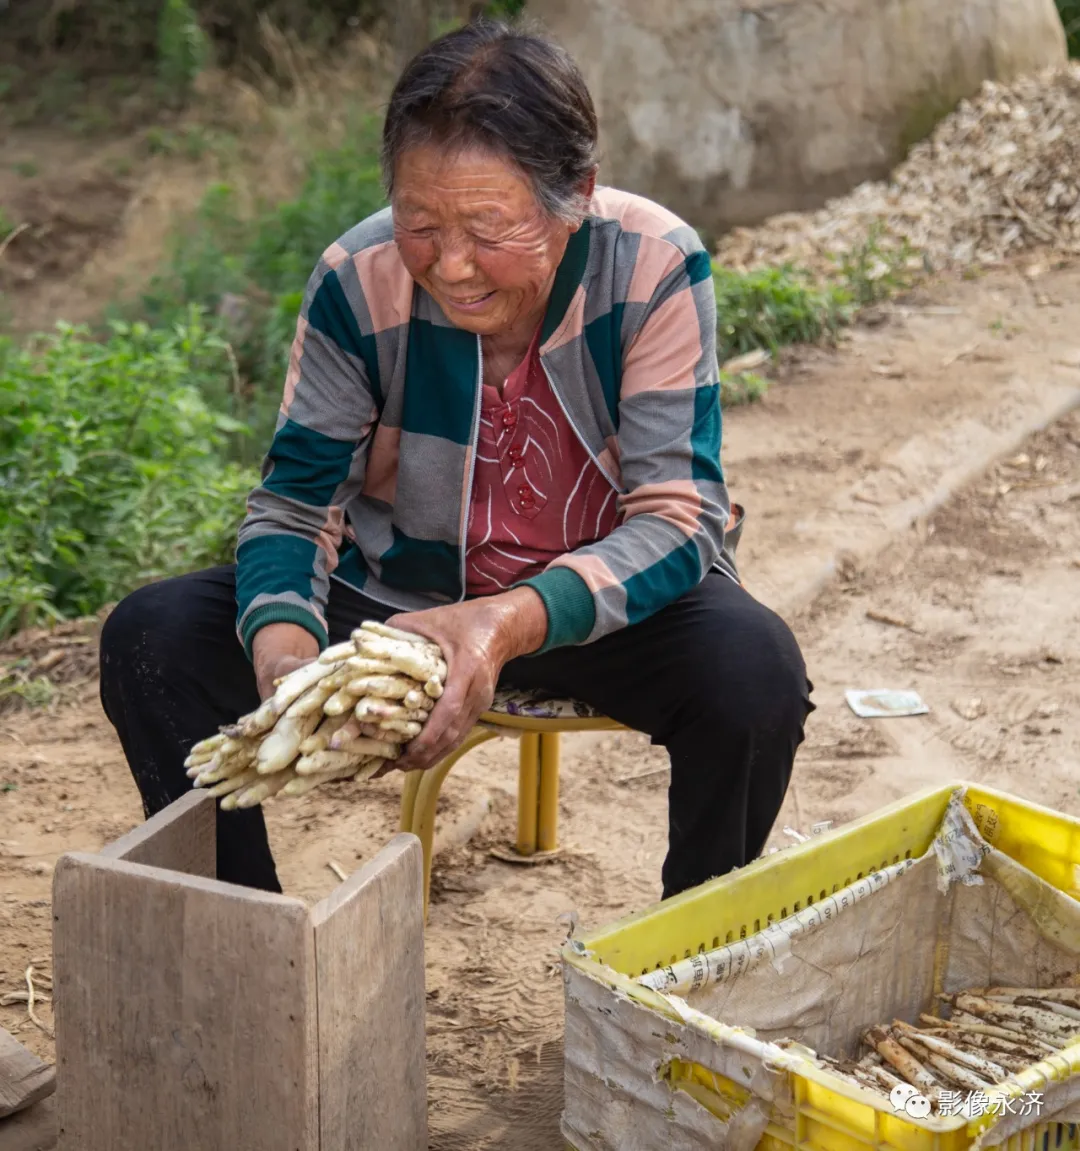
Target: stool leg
(408, 799)
(528, 792)
(427, 796)
(548, 825)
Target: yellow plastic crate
(829, 1114)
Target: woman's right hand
(279, 648)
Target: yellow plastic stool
(537, 723)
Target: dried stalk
(31, 999)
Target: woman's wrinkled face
(471, 233)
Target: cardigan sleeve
(288, 542)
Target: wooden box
(195, 1014)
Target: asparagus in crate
(991, 1034)
(340, 717)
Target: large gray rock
(728, 111)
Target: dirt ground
(89, 202)
(976, 608)
(89, 219)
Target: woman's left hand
(477, 637)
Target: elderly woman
(501, 430)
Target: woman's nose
(455, 264)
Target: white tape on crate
(959, 848)
(773, 943)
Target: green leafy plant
(504, 9)
(190, 140)
(741, 388)
(769, 308)
(183, 49)
(875, 270)
(772, 307)
(113, 468)
(38, 691)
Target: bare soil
(89, 200)
(985, 624)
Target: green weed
(191, 141)
(10, 75)
(25, 168)
(874, 271)
(121, 85)
(1003, 330)
(773, 307)
(504, 9)
(769, 308)
(36, 692)
(160, 140)
(112, 466)
(183, 49)
(741, 388)
(54, 95)
(507, 10)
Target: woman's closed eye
(487, 237)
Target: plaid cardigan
(368, 477)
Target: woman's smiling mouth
(469, 303)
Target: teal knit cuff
(268, 613)
(570, 608)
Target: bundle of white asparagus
(341, 717)
(991, 1034)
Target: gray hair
(514, 92)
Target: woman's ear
(587, 187)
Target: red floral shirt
(536, 493)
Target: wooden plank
(31, 1130)
(185, 1012)
(24, 1078)
(369, 953)
(182, 837)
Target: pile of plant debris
(999, 176)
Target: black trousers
(716, 678)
